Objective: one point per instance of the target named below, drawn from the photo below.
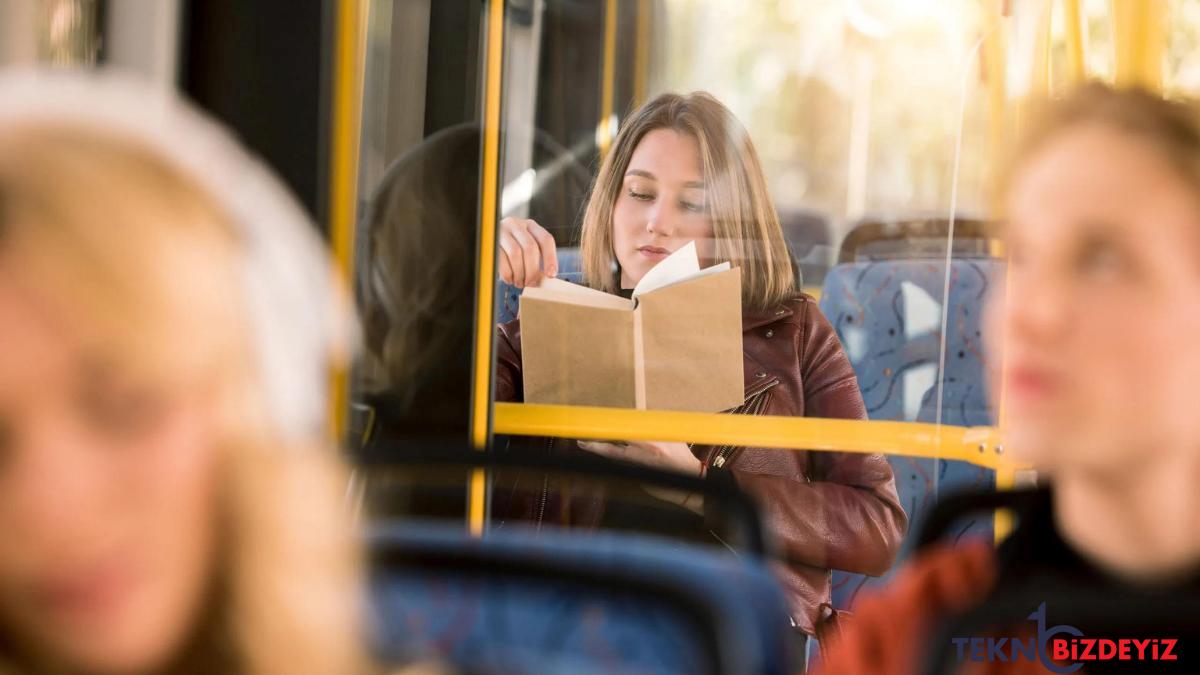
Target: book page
(557, 290)
(577, 355)
(674, 268)
(715, 269)
(691, 343)
(682, 265)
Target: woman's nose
(1036, 311)
(660, 221)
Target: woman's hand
(662, 455)
(527, 253)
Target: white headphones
(294, 308)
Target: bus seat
(570, 268)
(809, 238)
(519, 601)
(888, 314)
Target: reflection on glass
(419, 228)
(416, 236)
(69, 32)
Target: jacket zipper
(755, 403)
(545, 488)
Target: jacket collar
(757, 319)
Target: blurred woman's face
(1097, 338)
(662, 205)
(107, 499)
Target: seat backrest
(519, 601)
(809, 238)
(916, 238)
(508, 297)
(888, 315)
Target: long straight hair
(745, 224)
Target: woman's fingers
(531, 253)
(511, 259)
(545, 242)
(506, 270)
(610, 450)
(526, 249)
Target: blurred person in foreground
(1099, 374)
(169, 501)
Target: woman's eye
(1099, 258)
(641, 196)
(691, 206)
(118, 411)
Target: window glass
(874, 126)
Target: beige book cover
(676, 345)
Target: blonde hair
(745, 224)
(148, 265)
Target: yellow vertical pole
(486, 289)
(604, 130)
(996, 71)
(641, 55)
(1139, 38)
(1041, 54)
(1073, 20)
(1003, 520)
(345, 123)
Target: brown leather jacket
(824, 510)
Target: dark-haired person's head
(417, 288)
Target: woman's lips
(1032, 382)
(654, 252)
(90, 592)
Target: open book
(676, 345)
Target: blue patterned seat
(888, 315)
(563, 602)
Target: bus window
(415, 242)
(865, 144)
(1181, 67)
(873, 128)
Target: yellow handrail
(978, 445)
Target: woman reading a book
(682, 170)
